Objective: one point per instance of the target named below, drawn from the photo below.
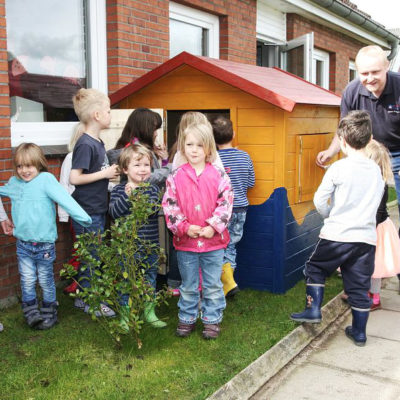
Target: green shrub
(118, 269)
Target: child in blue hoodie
(33, 193)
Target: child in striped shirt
(239, 167)
(135, 162)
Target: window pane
(186, 37)
(46, 58)
(295, 61)
(319, 72)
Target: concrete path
(334, 368)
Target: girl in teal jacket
(33, 193)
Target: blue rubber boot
(312, 311)
(357, 331)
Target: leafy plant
(117, 260)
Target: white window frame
(181, 13)
(322, 56)
(352, 67)
(59, 133)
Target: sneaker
(184, 330)
(174, 292)
(211, 331)
(1, 327)
(104, 310)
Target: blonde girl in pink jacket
(197, 206)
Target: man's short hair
(356, 129)
(372, 51)
(222, 129)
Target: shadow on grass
(78, 360)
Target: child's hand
(207, 232)
(129, 187)
(111, 172)
(161, 152)
(194, 231)
(7, 227)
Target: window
(50, 56)
(193, 31)
(352, 71)
(320, 72)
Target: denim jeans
(235, 229)
(213, 300)
(98, 224)
(150, 274)
(35, 262)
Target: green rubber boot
(151, 317)
(124, 319)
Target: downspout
(361, 20)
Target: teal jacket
(33, 210)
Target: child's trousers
(356, 262)
(35, 262)
(213, 300)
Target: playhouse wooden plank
(256, 117)
(256, 135)
(264, 171)
(311, 125)
(312, 111)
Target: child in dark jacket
(135, 161)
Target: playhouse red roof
(273, 85)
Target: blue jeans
(150, 274)
(235, 229)
(35, 262)
(213, 301)
(98, 224)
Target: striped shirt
(120, 207)
(239, 167)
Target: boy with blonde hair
(91, 172)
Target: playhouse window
(51, 56)
(194, 31)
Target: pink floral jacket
(201, 200)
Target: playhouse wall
(258, 125)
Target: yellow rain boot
(230, 286)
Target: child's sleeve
(3, 214)
(324, 193)
(60, 196)
(252, 177)
(64, 181)
(119, 202)
(175, 219)
(82, 156)
(222, 213)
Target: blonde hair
(133, 151)
(29, 154)
(203, 133)
(372, 51)
(78, 132)
(379, 153)
(87, 101)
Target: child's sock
(376, 298)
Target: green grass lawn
(78, 360)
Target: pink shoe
(175, 292)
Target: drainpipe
(361, 20)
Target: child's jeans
(35, 262)
(150, 275)
(213, 300)
(98, 224)
(235, 228)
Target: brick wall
(138, 34)
(342, 48)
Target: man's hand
(323, 158)
(7, 227)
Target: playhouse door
(309, 175)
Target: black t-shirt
(90, 155)
(384, 111)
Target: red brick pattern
(138, 34)
(342, 48)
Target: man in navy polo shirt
(377, 90)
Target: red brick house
(49, 48)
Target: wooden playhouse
(282, 121)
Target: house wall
(138, 34)
(341, 48)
